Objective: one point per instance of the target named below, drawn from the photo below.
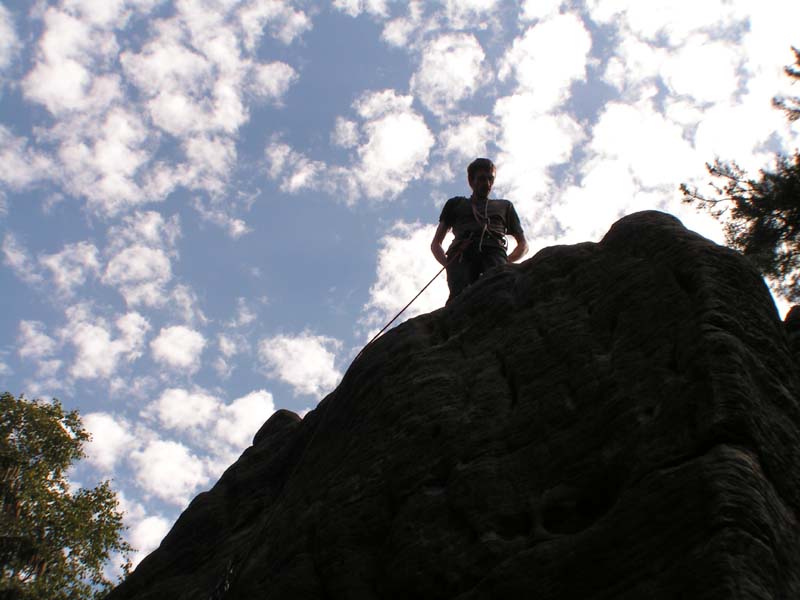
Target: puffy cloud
(405, 265)
(17, 258)
(220, 216)
(97, 353)
(449, 72)
(283, 20)
(245, 315)
(272, 80)
(356, 7)
(169, 471)
(181, 409)
(62, 78)
(239, 421)
(149, 228)
(146, 535)
(460, 143)
(706, 71)
(397, 145)
(675, 20)
(179, 347)
(33, 342)
(547, 82)
(304, 361)
(141, 274)
(295, 171)
(184, 302)
(101, 161)
(469, 13)
(393, 148)
(20, 165)
(539, 9)
(530, 143)
(71, 267)
(112, 440)
(345, 133)
(9, 42)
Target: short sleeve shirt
(502, 219)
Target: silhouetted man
(480, 226)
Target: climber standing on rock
(480, 226)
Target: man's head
(480, 175)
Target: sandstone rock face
(606, 420)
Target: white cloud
(179, 347)
(148, 228)
(220, 216)
(9, 42)
(245, 315)
(271, 81)
(405, 265)
(295, 171)
(33, 342)
(704, 70)
(112, 440)
(394, 147)
(169, 471)
(469, 138)
(469, 13)
(397, 147)
(141, 273)
(184, 302)
(5, 370)
(530, 143)
(530, 59)
(539, 9)
(277, 16)
(345, 133)
(73, 265)
(304, 361)
(676, 20)
(354, 8)
(20, 166)
(239, 421)
(61, 79)
(450, 71)
(181, 409)
(146, 535)
(97, 354)
(103, 157)
(17, 258)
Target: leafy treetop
(54, 542)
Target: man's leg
(462, 272)
(492, 257)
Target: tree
(763, 213)
(54, 541)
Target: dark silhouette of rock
(606, 420)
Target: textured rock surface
(611, 420)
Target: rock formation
(606, 420)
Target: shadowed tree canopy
(762, 215)
(54, 541)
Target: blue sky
(208, 206)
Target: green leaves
(53, 541)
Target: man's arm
(521, 249)
(436, 244)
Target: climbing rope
(233, 569)
(457, 254)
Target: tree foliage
(54, 541)
(762, 215)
